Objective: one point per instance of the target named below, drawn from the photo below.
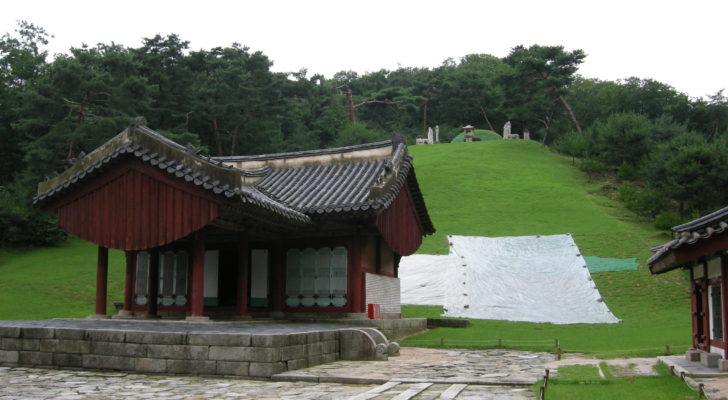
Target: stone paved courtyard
(416, 374)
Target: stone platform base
(242, 349)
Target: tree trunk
(545, 121)
(485, 116)
(217, 137)
(424, 119)
(234, 139)
(571, 115)
(350, 101)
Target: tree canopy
(226, 100)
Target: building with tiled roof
(276, 234)
(701, 247)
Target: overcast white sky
(681, 43)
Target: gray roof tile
(692, 232)
(330, 184)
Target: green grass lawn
(55, 282)
(513, 188)
(584, 382)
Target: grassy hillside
(55, 282)
(511, 188)
(493, 188)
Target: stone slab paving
(620, 366)
(715, 382)
(31, 383)
(482, 367)
(417, 374)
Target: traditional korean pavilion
(287, 234)
(701, 247)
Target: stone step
(394, 390)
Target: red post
(278, 279)
(243, 273)
(694, 307)
(102, 268)
(129, 280)
(706, 307)
(153, 283)
(197, 300)
(724, 300)
(357, 277)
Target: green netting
(599, 264)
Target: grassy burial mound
(517, 188)
(482, 134)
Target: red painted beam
(102, 268)
(197, 300)
(134, 206)
(399, 224)
(702, 247)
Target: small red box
(373, 310)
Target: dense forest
(667, 150)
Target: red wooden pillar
(278, 280)
(724, 300)
(706, 308)
(153, 283)
(694, 307)
(102, 270)
(129, 282)
(357, 277)
(197, 298)
(243, 273)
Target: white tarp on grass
(524, 278)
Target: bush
(358, 133)
(593, 167)
(692, 171)
(572, 144)
(627, 172)
(23, 225)
(666, 220)
(642, 201)
(623, 138)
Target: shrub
(623, 138)
(593, 167)
(23, 225)
(642, 201)
(666, 220)
(572, 144)
(627, 172)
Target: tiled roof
(324, 188)
(294, 186)
(690, 233)
(175, 160)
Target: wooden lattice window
(316, 277)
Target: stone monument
(468, 133)
(507, 132)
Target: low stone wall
(198, 353)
